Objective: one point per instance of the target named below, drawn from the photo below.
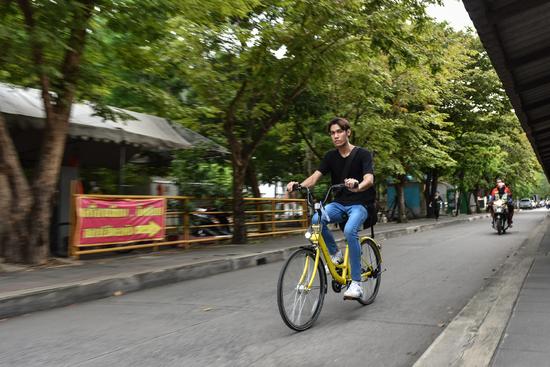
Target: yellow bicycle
(302, 281)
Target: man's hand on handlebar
(352, 184)
(292, 185)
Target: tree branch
(275, 117)
(71, 63)
(229, 124)
(301, 131)
(37, 54)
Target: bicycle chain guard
(337, 287)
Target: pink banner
(119, 221)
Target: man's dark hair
(340, 121)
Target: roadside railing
(189, 220)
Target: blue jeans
(356, 214)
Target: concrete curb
(425, 227)
(38, 299)
(473, 336)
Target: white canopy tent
(24, 106)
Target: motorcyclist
(500, 190)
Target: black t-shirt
(362, 164)
(436, 202)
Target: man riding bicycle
(349, 204)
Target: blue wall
(413, 195)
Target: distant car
(525, 204)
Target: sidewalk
(507, 323)
(526, 341)
(33, 289)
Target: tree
(542, 187)
(43, 46)
(35, 40)
(246, 72)
(396, 111)
(488, 140)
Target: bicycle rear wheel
(371, 271)
(299, 304)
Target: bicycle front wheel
(371, 271)
(299, 298)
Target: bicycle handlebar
(297, 187)
(309, 196)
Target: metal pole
(121, 164)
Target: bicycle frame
(321, 248)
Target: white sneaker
(354, 291)
(337, 258)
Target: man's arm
(308, 182)
(368, 181)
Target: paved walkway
(507, 323)
(526, 341)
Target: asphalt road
(232, 319)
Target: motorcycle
(500, 213)
(210, 224)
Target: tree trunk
(29, 232)
(435, 182)
(460, 189)
(432, 180)
(45, 187)
(428, 196)
(28, 229)
(239, 217)
(400, 197)
(252, 181)
(457, 202)
(16, 194)
(5, 204)
(475, 193)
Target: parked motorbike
(500, 214)
(214, 224)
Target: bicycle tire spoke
(299, 304)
